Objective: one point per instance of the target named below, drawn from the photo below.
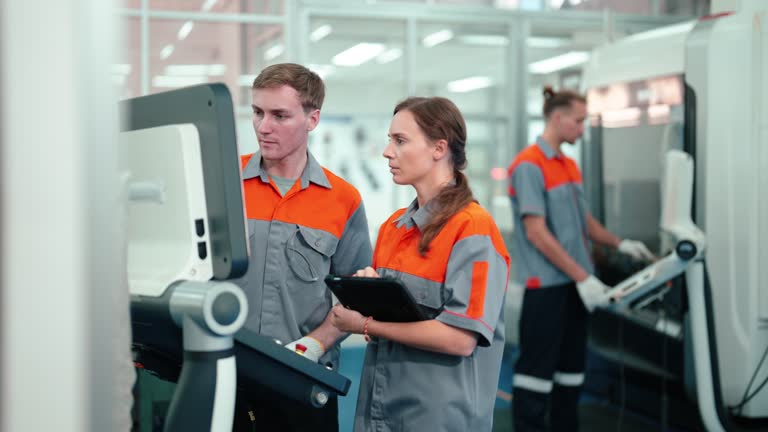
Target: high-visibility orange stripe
(317, 207)
(489, 230)
(556, 172)
(477, 295)
(396, 248)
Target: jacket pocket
(309, 253)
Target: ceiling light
(196, 70)
(320, 32)
(184, 30)
(166, 52)
(469, 84)
(358, 54)
(437, 38)
(508, 4)
(177, 81)
(389, 55)
(274, 51)
(208, 5)
(485, 40)
(545, 42)
(557, 63)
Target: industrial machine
(701, 89)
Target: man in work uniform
(552, 260)
(304, 222)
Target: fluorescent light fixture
(437, 38)
(469, 84)
(184, 30)
(246, 80)
(556, 4)
(322, 69)
(121, 69)
(320, 32)
(509, 4)
(166, 52)
(274, 51)
(389, 55)
(545, 42)
(575, 2)
(196, 70)
(484, 40)
(177, 81)
(553, 64)
(208, 5)
(358, 54)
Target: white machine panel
(655, 53)
(724, 61)
(167, 218)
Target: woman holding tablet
(439, 374)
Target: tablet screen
(384, 299)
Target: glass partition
(371, 56)
(478, 87)
(126, 73)
(275, 7)
(361, 61)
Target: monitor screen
(209, 108)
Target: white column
(61, 267)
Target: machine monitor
(186, 239)
(209, 108)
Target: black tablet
(384, 299)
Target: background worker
(552, 260)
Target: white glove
(636, 249)
(592, 292)
(314, 349)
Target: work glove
(307, 346)
(636, 249)
(592, 292)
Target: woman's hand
(347, 320)
(366, 272)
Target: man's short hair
(559, 100)
(308, 84)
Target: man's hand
(592, 292)
(312, 348)
(636, 249)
